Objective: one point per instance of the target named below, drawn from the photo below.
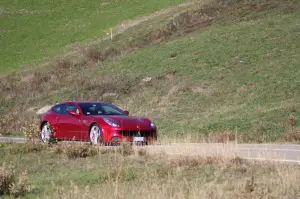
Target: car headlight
(111, 123)
(152, 125)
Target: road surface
(269, 152)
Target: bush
(22, 187)
(6, 121)
(8, 185)
(7, 174)
(74, 151)
(292, 135)
(31, 129)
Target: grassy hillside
(222, 68)
(32, 30)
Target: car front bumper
(140, 136)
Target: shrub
(292, 135)
(31, 129)
(73, 150)
(191, 162)
(7, 174)
(6, 121)
(22, 187)
(8, 185)
(292, 120)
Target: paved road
(268, 152)
(272, 152)
(13, 140)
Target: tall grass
(111, 174)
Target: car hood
(128, 122)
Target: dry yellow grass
(140, 173)
(201, 177)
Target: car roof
(78, 102)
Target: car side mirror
(73, 113)
(126, 112)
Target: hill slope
(33, 30)
(221, 68)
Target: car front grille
(138, 133)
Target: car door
(55, 120)
(71, 125)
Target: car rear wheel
(95, 135)
(46, 133)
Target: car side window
(58, 109)
(70, 107)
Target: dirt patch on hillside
(131, 23)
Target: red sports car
(96, 122)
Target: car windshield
(100, 109)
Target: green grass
(33, 30)
(111, 175)
(248, 72)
